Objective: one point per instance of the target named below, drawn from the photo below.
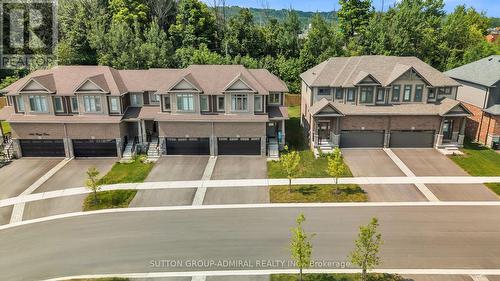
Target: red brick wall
(481, 124)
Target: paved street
(376, 163)
(415, 237)
(429, 162)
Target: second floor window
(431, 93)
(257, 103)
(418, 93)
(20, 104)
(92, 104)
(366, 95)
(221, 103)
(380, 94)
(166, 103)
(323, 91)
(351, 94)
(204, 103)
(239, 103)
(58, 104)
(154, 98)
(338, 94)
(395, 93)
(274, 98)
(114, 105)
(136, 100)
(74, 104)
(407, 93)
(185, 102)
(38, 104)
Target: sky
(491, 7)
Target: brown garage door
(412, 139)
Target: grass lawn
(309, 167)
(5, 127)
(136, 171)
(480, 161)
(109, 199)
(335, 277)
(317, 193)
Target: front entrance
(324, 131)
(447, 129)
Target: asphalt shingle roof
(485, 72)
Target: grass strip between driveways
(109, 199)
(309, 167)
(5, 127)
(479, 161)
(336, 277)
(135, 171)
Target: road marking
(253, 206)
(199, 196)
(18, 210)
(248, 183)
(402, 166)
(479, 278)
(283, 271)
(199, 278)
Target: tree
(242, 36)
(194, 25)
(301, 246)
(92, 182)
(336, 167)
(365, 254)
(129, 11)
(290, 163)
(354, 16)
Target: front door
(447, 129)
(324, 131)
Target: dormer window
(239, 103)
(92, 104)
(20, 104)
(323, 91)
(185, 102)
(275, 98)
(114, 105)
(38, 104)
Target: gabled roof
(98, 81)
(485, 72)
(239, 78)
(324, 108)
(346, 71)
(189, 79)
(362, 76)
(493, 110)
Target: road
(414, 237)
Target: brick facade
(482, 127)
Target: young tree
(336, 167)
(300, 245)
(290, 163)
(365, 255)
(92, 182)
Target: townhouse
(98, 111)
(380, 101)
(480, 94)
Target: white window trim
(46, 104)
(377, 94)
(223, 102)
(95, 97)
(139, 102)
(177, 103)
(62, 104)
(117, 105)
(238, 110)
(279, 98)
(164, 104)
(153, 94)
(260, 98)
(353, 91)
(405, 92)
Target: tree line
(143, 34)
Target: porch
(451, 134)
(141, 137)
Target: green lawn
(317, 193)
(335, 277)
(5, 127)
(309, 167)
(136, 171)
(109, 199)
(480, 161)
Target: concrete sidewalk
(248, 183)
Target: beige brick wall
(182, 129)
(390, 122)
(419, 122)
(368, 122)
(240, 129)
(56, 131)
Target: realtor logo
(28, 30)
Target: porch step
(153, 151)
(128, 153)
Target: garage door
(238, 146)
(361, 139)
(94, 148)
(412, 139)
(42, 148)
(188, 146)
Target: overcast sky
(491, 7)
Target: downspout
(482, 116)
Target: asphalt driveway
(71, 175)
(238, 167)
(18, 176)
(171, 168)
(429, 162)
(376, 163)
